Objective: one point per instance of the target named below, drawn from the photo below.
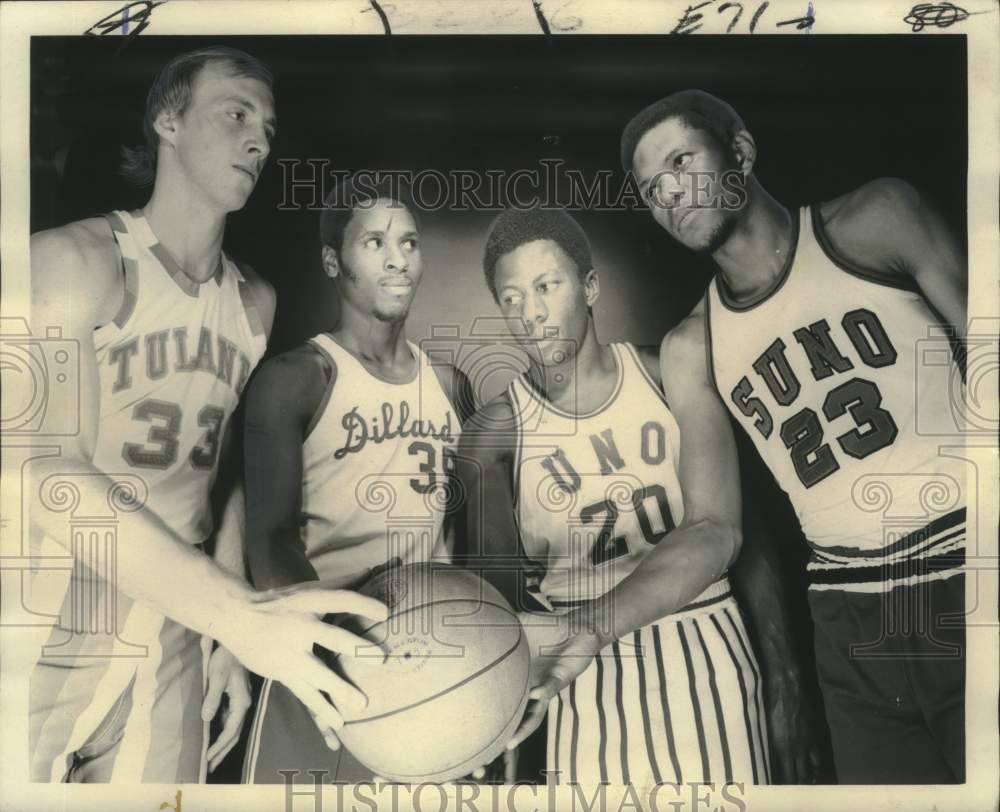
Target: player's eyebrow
(270, 122)
(666, 159)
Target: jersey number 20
(609, 546)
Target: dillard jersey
(594, 492)
(172, 365)
(377, 458)
(824, 373)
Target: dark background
(828, 113)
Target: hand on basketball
(226, 675)
(559, 654)
(273, 635)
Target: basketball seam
(459, 684)
(513, 716)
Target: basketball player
(333, 426)
(583, 486)
(811, 330)
(168, 329)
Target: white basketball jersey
(172, 365)
(824, 373)
(595, 492)
(376, 467)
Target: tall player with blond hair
(169, 329)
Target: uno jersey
(594, 492)
(376, 462)
(824, 374)
(172, 366)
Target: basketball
(454, 684)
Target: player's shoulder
(688, 335)
(684, 357)
(76, 268)
(295, 379)
(492, 428)
(885, 196)
(457, 388)
(83, 247)
(261, 290)
(649, 357)
(869, 223)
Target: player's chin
(392, 314)
(235, 200)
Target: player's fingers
(553, 684)
(529, 724)
(213, 696)
(335, 601)
(227, 739)
(343, 695)
(327, 718)
(336, 638)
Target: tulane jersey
(376, 467)
(116, 692)
(824, 373)
(172, 365)
(595, 492)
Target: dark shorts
(892, 669)
(286, 747)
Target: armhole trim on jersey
(708, 343)
(518, 451)
(634, 353)
(130, 273)
(451, 388)
(327, 392)
(249, 303)
(885, 278)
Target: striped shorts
(680, 700)
(116, 691)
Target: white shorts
(678, 701)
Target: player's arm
(228, 494)
(226, 675)
(490, 544)
(888, 226)
(282, 399)
(76, 286)
(700, 549)
(756, 579)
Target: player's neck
(190, 231)
(756, 253)
(378, 344)
(584, 381)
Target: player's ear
(744, 152)
(165, 125)
(331, 264)
(591, 287)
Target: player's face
(380, 260)
(545, 302)
(223, 138)
(680, 171)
